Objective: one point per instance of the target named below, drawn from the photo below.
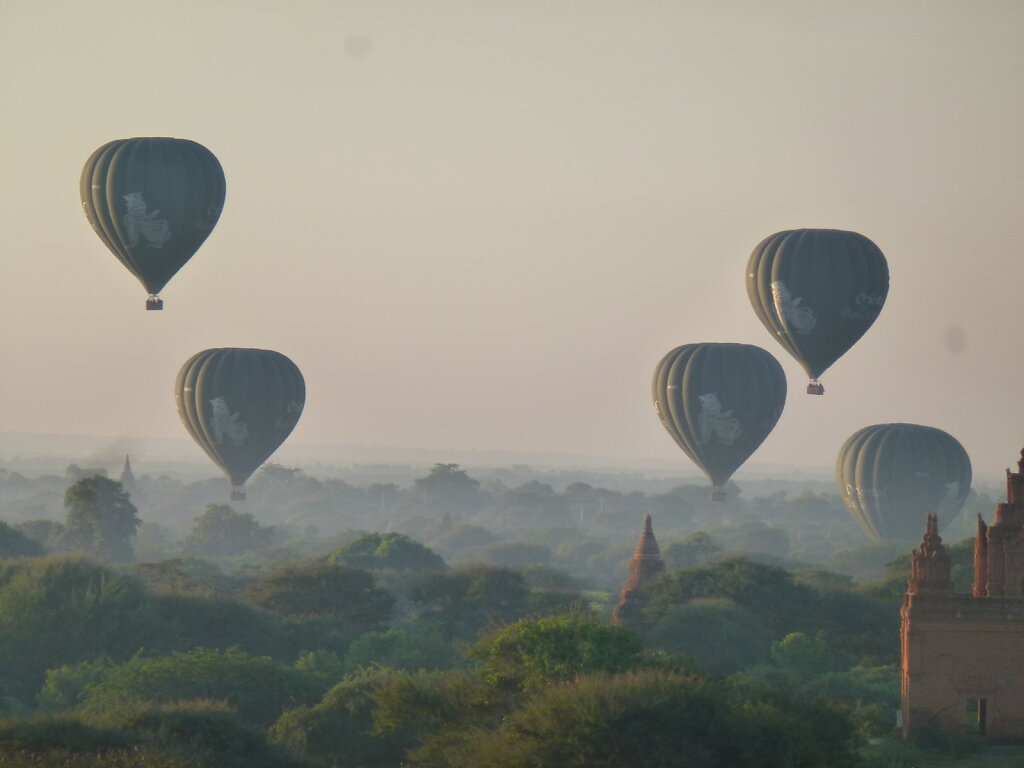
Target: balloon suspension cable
(814, 387)
(237, 493)
(717, 494)
(154, 302)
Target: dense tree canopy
(101, 519)
(222, 532)
(325, 591)
(394, 551)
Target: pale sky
(480, 224)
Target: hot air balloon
(719, 402)
(239, 405)
(891, 476)
(817, 291)
(152, 201)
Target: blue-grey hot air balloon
(239, 405)
(817, 291)
(719, 402)
(891, 476)
(153, 202)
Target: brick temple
(646, 565)
(963, 654)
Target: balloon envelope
(891, 476)
(239, 405)
(817, 291)
(152, 201)
(719, 402)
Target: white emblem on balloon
(226, 424)
(800, 319)
(139, 222)
(712, 421)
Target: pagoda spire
(127, 478)
(646, 565)
(931, 562)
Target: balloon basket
(237, 494)
(154, 302)
(717, 494)
(814, 387)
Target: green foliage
(49, 534)
(870, 696)
(69, 685)
(101, 519)
(447, 487)
(891, 753)
(194, 734)
(465, 600)
(188, 622)
(63, 610)
(535, 652)
(691, 551)
(183, 576)
(850, 622)
(324, 667)
(802, 657)
(412, 648)
(340, 728)
(867, 562)
(515, 554)
(794, 729)
(209, 734)
(650, 719)
(339, 593)
(431, 713)
(257, 687)
(65, 732)
(461, 538)
(393, 551)
(14, 543)
(720, 636)
(222, 532)
(545, 577)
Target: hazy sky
(481, 224)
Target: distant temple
(963, 655)
(645, 566)
(127, 478)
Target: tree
(535, 652)
(101, 519)
(14, 543)
(222, 532)
(802, 657)
(447, 488)
(693, 550)
(340, 729)
(464, 600)
(394, 551)
(515, 554)
(717, 634)
(49, 534)
(412, 647)
(258, 687)
(63, 610)
(325, 591)
(651, 719)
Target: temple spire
(931, 562)
(645, 566)
(127, 478)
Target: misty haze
(511, 384)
